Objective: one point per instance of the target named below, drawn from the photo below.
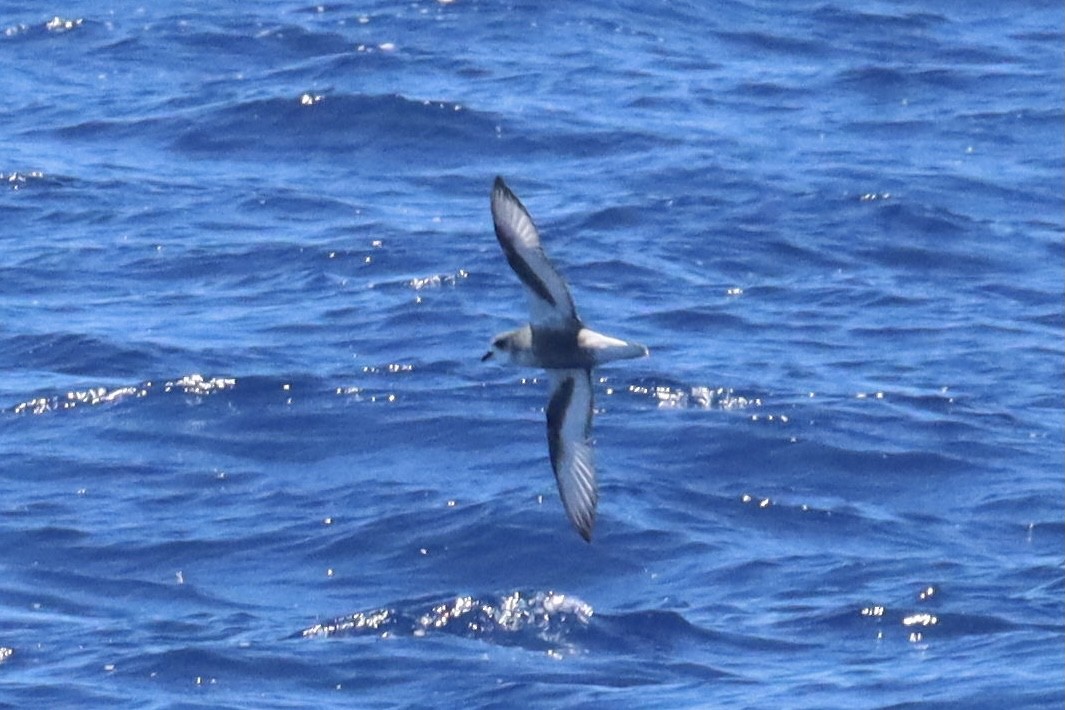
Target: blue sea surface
(251, 457)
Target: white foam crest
(194, 384)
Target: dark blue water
(250, 457)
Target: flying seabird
(556, 340)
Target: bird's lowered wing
(569, 431)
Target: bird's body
(556, 340)
(552, 348)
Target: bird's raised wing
(569, 432)
(550, 302)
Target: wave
(81, 354)
(332, 124)
(520, 618)
(195, 385)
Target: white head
(512, 346)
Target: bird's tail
(607, 348)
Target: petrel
(556, 340)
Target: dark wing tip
(502, 192)
(583, 521)
(586, 532)
(500, 186)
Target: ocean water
(251, 458)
